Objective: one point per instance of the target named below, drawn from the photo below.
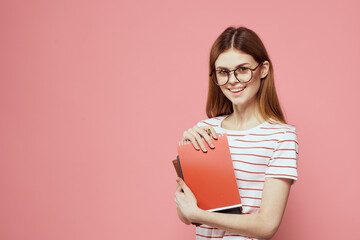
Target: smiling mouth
(237, 90)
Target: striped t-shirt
(267, 150)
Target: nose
(232, 79)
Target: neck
(245, 116)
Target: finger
(198, 138)
(205, 134)
(188, 136)
(213, 132)
(192, 138)
(184, 186)
(178, 188)
(177, 202)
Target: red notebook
(210, 175)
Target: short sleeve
(201, 124)
(283, 163)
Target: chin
(240, 101)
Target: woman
(242, 103)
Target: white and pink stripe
(267, 150)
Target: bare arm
(263, 224)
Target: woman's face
(229, 60)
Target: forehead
(233, 57)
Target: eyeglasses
(242, 74)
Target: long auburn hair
(249, 42)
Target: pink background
(94, 96)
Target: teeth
(237, 90)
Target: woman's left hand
(186, 200)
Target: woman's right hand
(195, 135)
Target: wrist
(196, 215)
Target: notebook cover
(236, 210)
(210, 175)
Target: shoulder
(286, 132)
(283, 127)
(213, 122)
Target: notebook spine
(179, 165)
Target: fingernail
(212, 145)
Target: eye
(222, 72)
(242, 69)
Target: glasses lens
(221, 77)
(243, 74)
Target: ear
(264, 69)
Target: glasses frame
(252, 70)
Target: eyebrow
(235, 66)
